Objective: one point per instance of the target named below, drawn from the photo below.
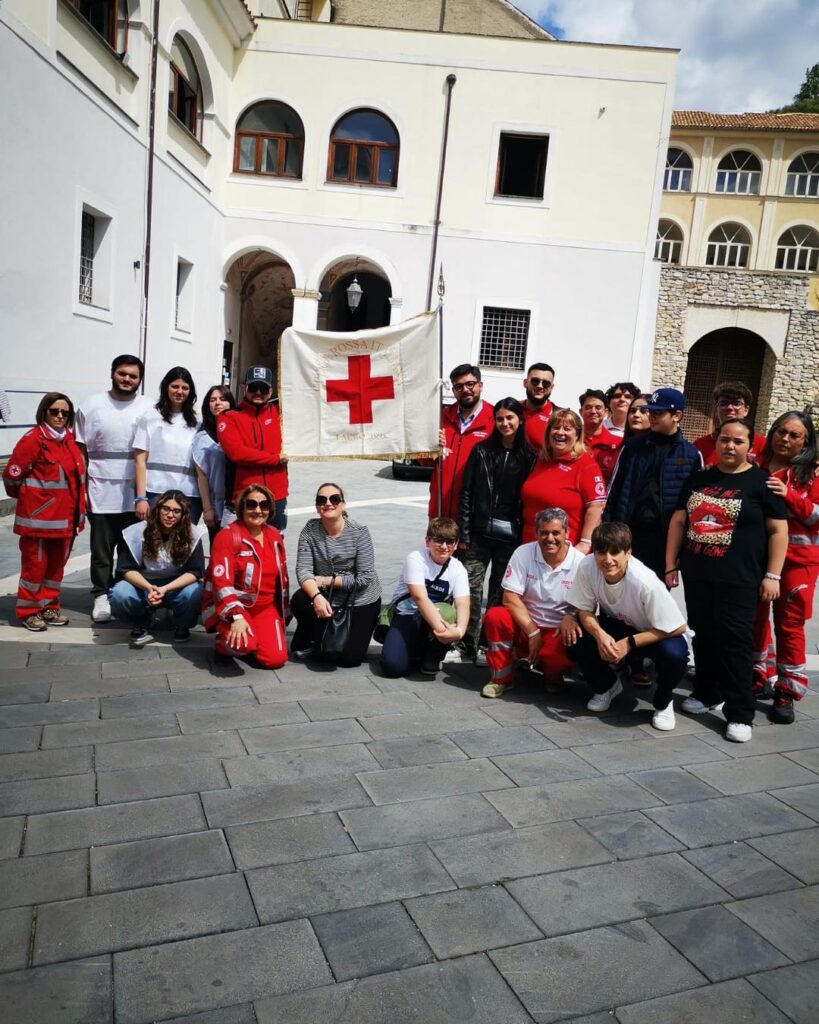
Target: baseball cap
(666, 400)
(259, 375)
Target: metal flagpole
(441, 292)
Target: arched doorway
(373, 309)
(730, 353)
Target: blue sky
(734, 57)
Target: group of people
(524, 491)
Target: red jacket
(459, 445)
(803, 519)
(707, 447)
(251, 437)
(234, 575)
(47, 477)
(605, 447)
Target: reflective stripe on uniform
(804, 539)
(41, 524)
(169, 467)
(21, 603)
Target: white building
(291, 153)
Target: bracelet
(669, 571)
(318, 593)
(632, 643)
(140, 497)
(584, 540)
(534, 633)
(772, 576)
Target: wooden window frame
(543, 163)
(115, 7)
(282, 138)
(354, 144)
(176, 77)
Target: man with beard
(105, 432)
(538, 407)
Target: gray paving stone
(218, 970)
(288, 840)
(11, 834)
(515, 712)
(445, 992)
(308, 687)
(421, 820)
(471, 920)
(730, 1002)
(796, 852)
(727, 819)
(669, 750)
(48, 714)
(83, 654)
(15, 932)
(43, 764)
(140, 917)
(34, 796)
(365, 705)
(311, 735)
(170, 750)
(790, 920)
(158, 861)
(201, 677)
(674, 785)
(630, 834)
(341, 883)
(395, 785)
(252, 717)
(415, 750)
(138, 669)
(109, 730)
(75, 993)
(538, 805)
(585, 731)
(54, 876)
(238, 806)
(294, 765)
(740, 870)
(50, 673)
(17, 741)
(117, 823)
(770, 740)
(515, 854)
(229, 1015)
(426, 723)
(490, 742)
(753, 774)
(801, 798)
(160, 780)
(541, 767)
(718, 943)
(370, 940)
(24, 692)
(593, 970)
(808, 758)
(795, 990)
(76, 689)
(13, 655)
(157, 703)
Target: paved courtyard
(235, 846)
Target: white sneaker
(102, 609)
(602, 701)
(696, 707)
(454, 657)
(737, 732)
(480, 658)
(663, 719)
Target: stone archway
(730, 353)
(373, 309)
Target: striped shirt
(349, 556)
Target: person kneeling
(425, 623)
(636, 613)
(160, 563)
(535, 620)
(245, 600)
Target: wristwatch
(632, 643)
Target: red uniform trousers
(42, 564)
(784, 664)
(265, 638)
(505, 641)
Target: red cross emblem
(360, 389)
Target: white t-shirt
(420, 569)
(639, 599)
(209, 457)
(545, 591)
(106, 428)
(169, 447)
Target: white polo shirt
(639, 599)
(545, 591)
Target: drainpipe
(450, 82)
(149, 191)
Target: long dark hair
(47, 400)
(519, 444)
(804, 464)
(208, 419)
(180, 540)
(164, 404)
(627, 431)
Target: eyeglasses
(175, 512)
(58, 412)
(258, 388)
(251, 505)
(540, 382)
(639, 408)
(328, 499)
(444, 541)
(468, 385)
(731, 403)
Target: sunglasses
(442, 540)
(252, 505)
(258, 389)
(175, 512)
(58, 412)
(639, 408)
(328, 499)
(540, 382)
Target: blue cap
(666, 400)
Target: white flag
(364, 395)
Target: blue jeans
(130, 604)
(407, 641)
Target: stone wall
(470, 17)
(787, 382)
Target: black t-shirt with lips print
(725, 536)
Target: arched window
(739, 171)
(729, 245)
(668, 247)
(798, 249)
(185, 88)
(108, 18)
(364, 149)
(803, 176)
(678, 169)
(269, 140)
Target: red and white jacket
(234, 575)
(47, 477)
(460, 444)
(803, 518)
(251, 437)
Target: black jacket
(491, 486)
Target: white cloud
(734, 57)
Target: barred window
(87, 247)
(729, 245)
(678, 170)
(803, 176)
(668, 247)
(798, 249)
(740, 172)
(504, 336)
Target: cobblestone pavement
(184, 843)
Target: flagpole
(441, 292)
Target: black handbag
(336, 633)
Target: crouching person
(245, 601)
(636, 612)
(535, 620)
(431, 604)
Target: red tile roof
(746, 122)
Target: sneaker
(54, 617)
(35, 623)
(782, 711)
(497, 689)
(663, 719)
(762, 689)
(480, 658)
(102, 609)
(602, 701)
(455, 656)
(303, 654)
(738, 732)
(696, 707)
(181, 635)
(431, 663)
(140, 637)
